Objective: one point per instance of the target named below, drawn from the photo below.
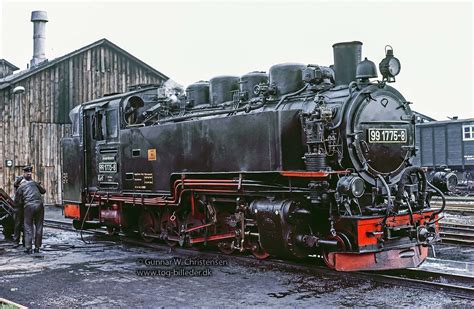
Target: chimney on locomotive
(347, 56)
(39, 19)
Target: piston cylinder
(280, 222)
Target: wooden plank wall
(5, 69)
(33, 123)
(47, 155)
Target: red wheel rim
(341, 247)
(259, 252)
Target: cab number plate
(108, 167)
(387, 135)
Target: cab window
(75, 124)
(98, 125)
(111, 124)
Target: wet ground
(69, 273)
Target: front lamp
(446, 181)
(390, 66)
(352, 186)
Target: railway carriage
(446, 150)
(305, 160)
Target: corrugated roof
(14, 78)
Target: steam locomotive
(306, 160)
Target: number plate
(108, 167)
(387, 136)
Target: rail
(457, 233)
(455, 204)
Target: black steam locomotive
(305, 160)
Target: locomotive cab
(92, 155)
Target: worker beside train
(29, 200)
(19, 211)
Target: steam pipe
(246, 108)
(401, 186)
(389, 198)
(283, 98)
(442, 197)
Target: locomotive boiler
(306, 160)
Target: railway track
(455, 204)
(456, 285)
(457, 233)
(64, 225)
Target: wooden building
(6, 68)
(33, 121)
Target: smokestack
(39, 19)
(347, 56)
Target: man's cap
(28, 169)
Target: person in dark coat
(29, 196)
(19, 211)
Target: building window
(468, 132)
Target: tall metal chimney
(39, 19)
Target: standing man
(28, 196)
(19, 211)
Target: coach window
(468, 132)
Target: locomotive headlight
(451, 181)
(351, 185)
(389, 66)
(446, 181)
(394, 66)
(357, 187)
